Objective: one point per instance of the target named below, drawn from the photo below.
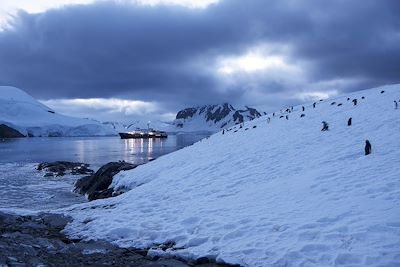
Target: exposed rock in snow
(28, 116)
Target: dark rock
(96, 185)
(186, 113)
(237, 117)
(106, 193)
(59, 168)
(8, 132)
(219, 113)
(167, 245)
(203, 260)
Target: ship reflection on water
(144, 148)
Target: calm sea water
(23, 189)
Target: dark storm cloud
(165, 53)
(354, 39)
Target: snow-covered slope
(117, 126)
(212, 117)
(281, 194)
(25, 114)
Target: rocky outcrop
(96, 185)
(186, 113)
(217, 113)
(60, 168)
(38, 241)
(8, 132)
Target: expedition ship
(141, 133)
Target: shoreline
(37, 240)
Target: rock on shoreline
(59, 168)
(96, 185)
(38, 241)
(8, 132)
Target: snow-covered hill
(212, 117)
(22, 112)
(282, 193)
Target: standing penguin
(395, 104)
(303, 108)
(354, 101)
(349, 122)
(367, 147)
(223, 131)
(325, 126)
(314, 105)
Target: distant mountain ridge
(213, 117)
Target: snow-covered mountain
(212, 117)
(117, 126)
(25, 114)
(276, 192)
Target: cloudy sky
(121, 60)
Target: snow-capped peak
(213, 117)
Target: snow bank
(281, 194)
(27, 115)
